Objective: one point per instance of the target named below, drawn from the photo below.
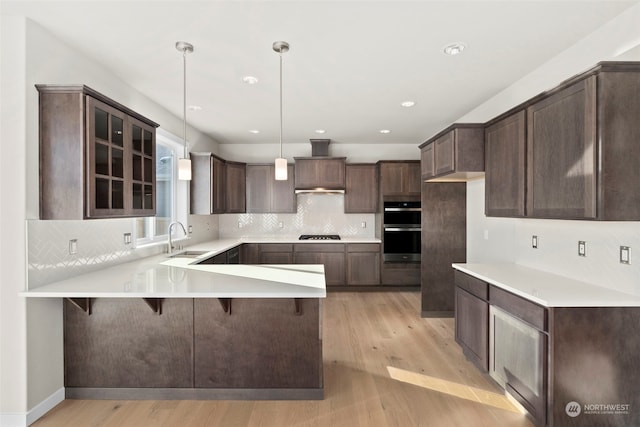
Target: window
(171, 194)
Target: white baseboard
(45, 406)
(30, 417)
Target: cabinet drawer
(472, 285)
(519, 307)
(318, 247)
(363, 247)
(276, 247)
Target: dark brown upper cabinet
(505, 176)
(320, 172)
(455, 154)
(361, 189)
(562, 155)
(400, 178)
(97, 157)
(235, 187)
(265, 194)
(208, 182)
(579, 153)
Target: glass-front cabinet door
(120, 163)
(106, 161)
(143, 175)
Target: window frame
(179, 197)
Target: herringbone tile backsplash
(317, 214)
(100, 245)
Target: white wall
(31, 369)
(509, 240)
(13, 321)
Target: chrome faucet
(170, 242)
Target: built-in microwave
(517, 360)
(402, 231)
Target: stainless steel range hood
(319, 151)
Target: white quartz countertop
(548, 289)
(164, 277)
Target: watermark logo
(573, 409)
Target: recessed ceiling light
(408, 104)
(194, 108)
(320, 131)
(254, 131)
(250, 80)
(385, 131)
(454, 48)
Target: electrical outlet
(625, 255)
(73, 246)
(127, 238)
(190, 229)
(582, 248)
(364, 224)
(239, 224)
(534, 242)
(281, 224)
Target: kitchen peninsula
(178, 328)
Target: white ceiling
(350, 66)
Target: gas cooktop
(319, 237)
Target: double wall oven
(402, 230)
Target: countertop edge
(567, 292)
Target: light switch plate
(582, 248)
(534, 242)
(625, 255)
(127, 238)
(190, 229)
(73, 246)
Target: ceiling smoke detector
(454, 49)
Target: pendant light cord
(280, 103)
(184, 101)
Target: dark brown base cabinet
(584, 356)
(262, 349)
(363, 264)
(332, 255)
(345, 264)
(472, 319)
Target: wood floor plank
(364, 335)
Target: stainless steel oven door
(401, 244)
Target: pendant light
(281, 163)
(184, 164)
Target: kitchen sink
(188, 254)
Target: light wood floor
(366, 336)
